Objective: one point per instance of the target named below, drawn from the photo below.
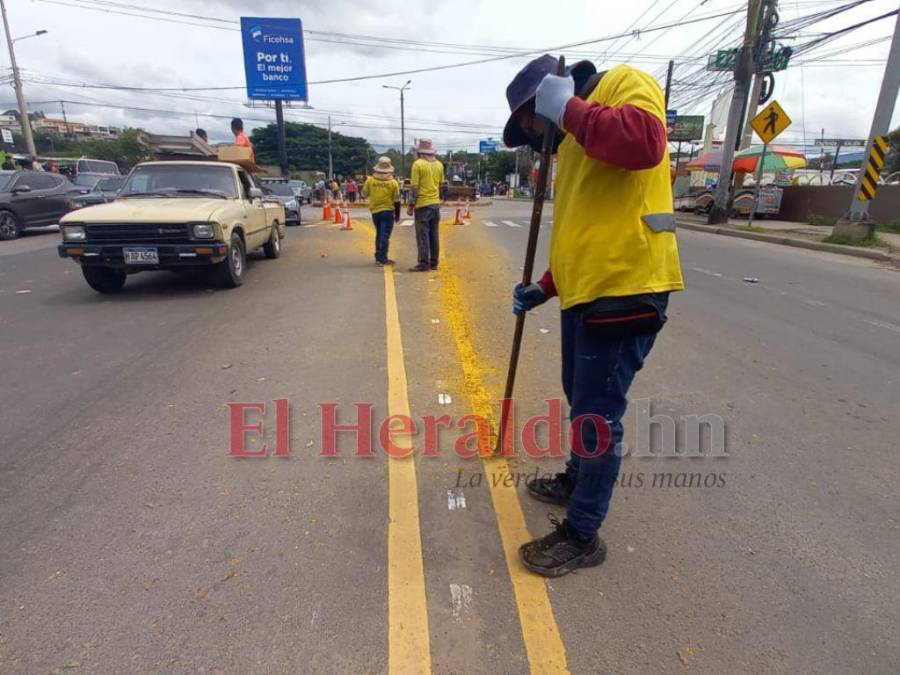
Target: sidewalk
(801, 235)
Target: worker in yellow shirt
(425, 203)
(383, 192)
(613, 262)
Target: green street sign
(722, 60)
(777, 58)
(774, 59)
(687, 128)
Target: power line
(42, 80)
(191, 113)
(482, 61)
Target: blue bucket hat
(523, 88)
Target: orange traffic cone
(468, 214)
(326, 209)
(458, 220)
(348, 224)
(338, 216)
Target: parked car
(171, 216)
(280, 189)
(104, 190)
(31, 199)
(302, 191)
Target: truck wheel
(230, 272)
(104, 279)
(9, 226)
(272, 248)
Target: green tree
(126, 150)
(307, 149)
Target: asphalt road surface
(133, 543)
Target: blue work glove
(526, 298)
(553, 93)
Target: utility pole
(743, 72)
(755, 94)
(282, 141)
(402, 126)
(17, 81)
(856, 224)
(759, 80)
(62, 105)
(669, 81)
(330, 159)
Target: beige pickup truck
(174, 215)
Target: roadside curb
(853, 251)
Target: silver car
(301, 190)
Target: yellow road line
(409, 649)
(543, 644)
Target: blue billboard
(273, 58)
(489, 145)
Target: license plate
(141, 256)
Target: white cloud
(90, 46)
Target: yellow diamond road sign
(770, 122)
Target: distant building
(52, 125)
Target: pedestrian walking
(405, 190)
(351, 191)
(383, 192)
(613, 262)
(425, 203)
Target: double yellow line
(409, 649)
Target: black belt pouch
(625, 316)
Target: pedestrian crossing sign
(770, 122)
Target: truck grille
(125, 233)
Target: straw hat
(425, 147)
(384, 168)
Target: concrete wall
(834, 201)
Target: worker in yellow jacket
(426, 177)
(383, 192)
(613, 263)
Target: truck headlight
(290, 204)
(73, 232)
(203, 230)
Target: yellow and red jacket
(613, 222)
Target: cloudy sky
(95, 47)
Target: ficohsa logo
(256, 33)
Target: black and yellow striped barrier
(873, 169)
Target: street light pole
(402, 125)
(20, 96)
(402, 137)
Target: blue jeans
(597, 373)
(384, 225)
